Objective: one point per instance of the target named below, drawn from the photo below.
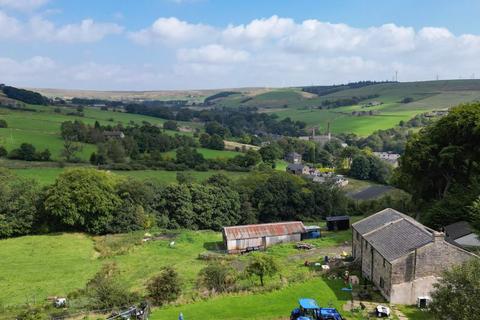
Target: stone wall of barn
(438, 256)
(356, 244)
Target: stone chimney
(438, 236)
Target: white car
(382, 311)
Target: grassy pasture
(56, 264)
(46, 176)
(42, 128)
(428, 95)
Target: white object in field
(325, 267)
(60, 302)
(172, 244)
(382, 311)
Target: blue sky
(196, 44)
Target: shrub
(170, 125)
(3, 152)
(3, 123)
(218, 276)
(106, 291)
(164, 288)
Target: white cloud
(39, 28)
(172, 31)
(260, 29)
(9, 26)
(274, 51)
(214, 53)
(24, 5)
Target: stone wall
(381, 273)
(438, 256)
(356, 245)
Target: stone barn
(240, 239)
(402, 257)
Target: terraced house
(402, 257)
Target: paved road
(371, 192)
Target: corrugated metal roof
(399, 238)
(263, 230)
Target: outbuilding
(335, 223)
(238, 239)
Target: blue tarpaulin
(308, 304)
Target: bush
(165, 287)
(218, 276)
(3, 124)
(107, 291)
(170, 125)
(3, 152)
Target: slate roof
(457, 230)
(263, 230)
(337, 218)
(295, 167)
(398, 238)
(377, 220)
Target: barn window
(384, 262)
(382, 283)
(358, 236)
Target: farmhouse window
(384, 262)
(382, 283)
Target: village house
(238, 239)
(389, 157)
(294, 157)
(298, 169)
(402, 257)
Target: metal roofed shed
(311, 232)
(238, 239)
(336, 223)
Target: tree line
(100, 202)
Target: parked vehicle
(309, 310)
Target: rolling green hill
(299, 105)
(40, 126)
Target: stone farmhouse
(402, 257)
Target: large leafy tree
(457, 294)
(18, 200)
(442, 155)
(84, 199)
(176, 204)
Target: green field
(39, 266)
(272, 305)
(57, 264)
(46, 176)
(42, 127)
(297, 105)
